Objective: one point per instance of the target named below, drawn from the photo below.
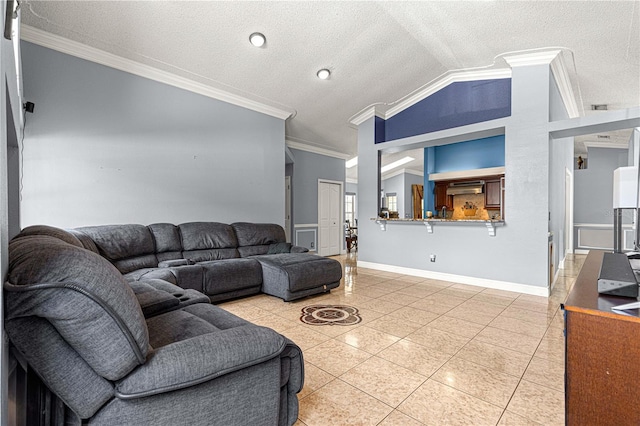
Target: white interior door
(287, 207)
(329, 223)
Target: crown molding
(82, 51)
(535, 58)
(363, 116)
(441, 83)
(561, 75)
(317, 150)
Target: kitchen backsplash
(464, 202)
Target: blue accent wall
(380, 130)
(468, 155)
(475, 154)
(456, 105)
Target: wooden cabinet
(441, 197)
(602, 349)
(492, 194)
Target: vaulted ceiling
(378, 52)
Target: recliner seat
(147, 352)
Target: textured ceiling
(378, 52)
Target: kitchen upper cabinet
(492, 194)
(441, 197)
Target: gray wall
(105, 146)
(395, 185)
(593, 193)
(519, 251)
(401, 185)
(308, 167)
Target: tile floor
(427, 352)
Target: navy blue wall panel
(458, 104)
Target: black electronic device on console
(616, 276)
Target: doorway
(330, 196)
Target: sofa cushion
(83, 296)
(299, 271)
(128, 247)
(166, 237)
(202, 241)
(279, 248)
(222, 276)
(256, 234)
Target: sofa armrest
(158, 296)
(200, 359)
(155, 302)
(299, 249)
(175, 262)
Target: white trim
(317, 150)
(79, 50)
(350, 180)
(460, 174)
(527, 59)
(315, 238)
(480, 282)
(305, 225)
(441, 83)
(616, 145)
(363, 116)
(561, 75)
(600, 225)
(395, 173)
(581, 251)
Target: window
(350, 208)
(392, 202)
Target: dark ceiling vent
(599, 107)
(604, 137)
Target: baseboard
(581, 251)
(461, 279)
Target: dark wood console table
(602, 363)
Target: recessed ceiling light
(350, 163)
(395, 164)
(323, 74)
(257, 39)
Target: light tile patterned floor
(427, 352)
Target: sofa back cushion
(128, 247)
(202, 241)
(256, 238)
(83, 297)
(167, 241)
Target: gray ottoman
(291, 276)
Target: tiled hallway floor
(426, 352)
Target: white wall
(104, 146)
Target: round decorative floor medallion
(330, 315)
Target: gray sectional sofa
(143, 351)
(220, 260)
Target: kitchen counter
(491, 224)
